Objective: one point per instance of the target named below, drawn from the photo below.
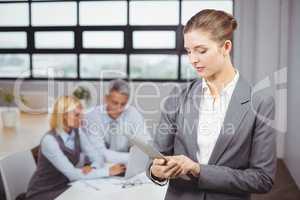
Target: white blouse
(211, 116)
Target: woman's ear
(227, 47)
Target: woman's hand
(117, 169)
(86, 169)
(187, 165)
(165, 169)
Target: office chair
(16, 170)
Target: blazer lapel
(237, 108)
(192, 118)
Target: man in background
(106, 125)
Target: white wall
(292, 150)
(260, 52)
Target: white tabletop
(139, 187)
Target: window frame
(78, 42)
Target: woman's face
(73, 118)
(205, 55)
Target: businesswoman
(219, 132)
(64, 154)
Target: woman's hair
(219, 24)
(62, 105)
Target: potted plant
(10, 113)
(83, 94)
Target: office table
(137, 188)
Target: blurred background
(48, 48)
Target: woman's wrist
(155, 177)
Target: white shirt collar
(66, 136)
(231, 84)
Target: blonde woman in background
(64, 156)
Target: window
(13, 40)
(54, 65)
(154, 39)
(153, 66)
(190, 7)
(103, 13)
(103, 39)
(14, 65)
(154, 12)
(103, 66)
(92, 40)
(53, 13)
(52, 40)
(14, 14)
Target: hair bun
(219, 24)
(233, 24)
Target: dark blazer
(48, 182)
(244, 158)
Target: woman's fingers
(177, 173)
(170, 165)
(169, 169)
(170, 173)
(117, 169)
(174, 167)
(122, 168)
(86, 169)
(159, 161)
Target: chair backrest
(16, 170)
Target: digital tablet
(149, 150)
(145, 147)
